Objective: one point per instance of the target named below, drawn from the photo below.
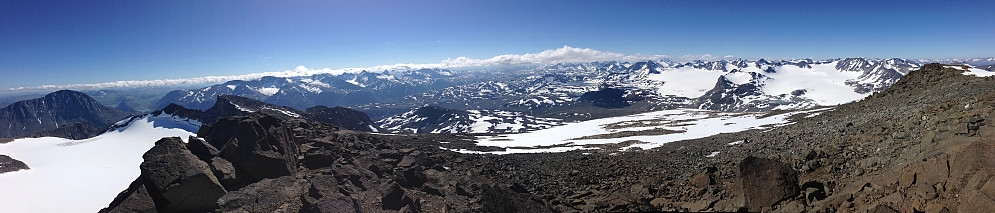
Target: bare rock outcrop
(8, 164)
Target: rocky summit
(923, 145)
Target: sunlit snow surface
(973, 71)
(685, 81)
(823, 83)
(693, 122)
(82, 175)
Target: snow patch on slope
(269, 91)
(692, 123)
(973, 71)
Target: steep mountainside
(124, 106)
(53, 111)
(75, 131)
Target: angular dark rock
(134, 199)
(394, 198)
(318, 154)
(184, 182)
(765, 182)
(225, 172)
(202, 149)
(258, 144)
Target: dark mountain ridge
(56, 109)
(231, 105)
(320, 89)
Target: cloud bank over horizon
(565, 54)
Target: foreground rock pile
(923, 145)
(259, 163)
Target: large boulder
(765, 182)
(259, 145)
(184, 182)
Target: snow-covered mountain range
(958, 61)
(320, 89)
(740, 85)
(558, 91)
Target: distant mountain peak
(54, 110)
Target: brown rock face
(766, 182)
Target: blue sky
(68, 42)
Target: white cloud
(297, 71)
(565, 54)
(705, 57)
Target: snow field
(82, 175)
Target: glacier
(83, 175)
